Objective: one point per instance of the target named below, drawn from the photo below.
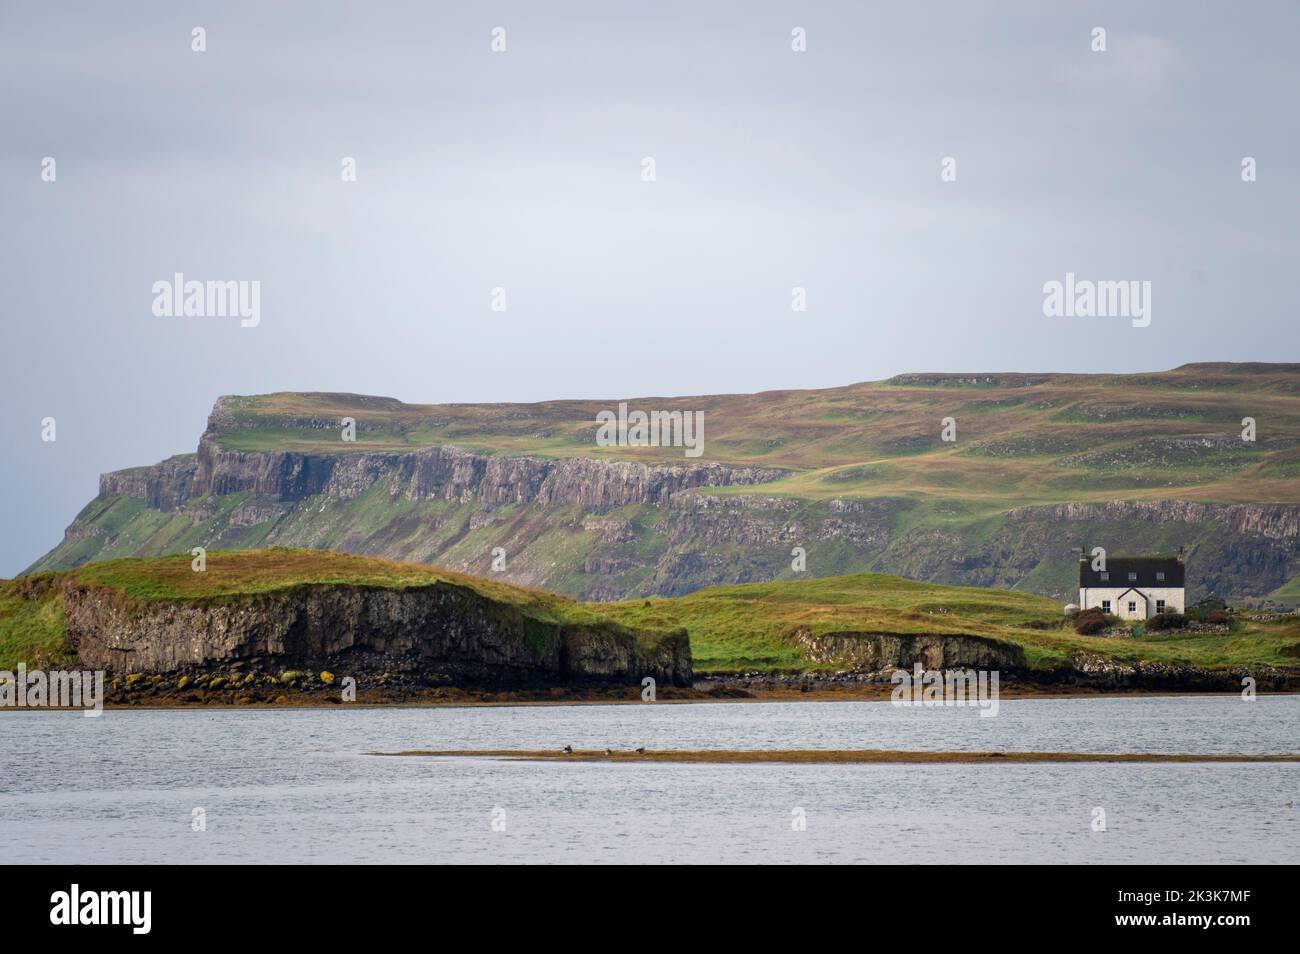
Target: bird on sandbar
(568, 750)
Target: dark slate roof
(1133, 571)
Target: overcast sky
(523, 170)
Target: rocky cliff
(450, 473)
(877, 652)
(443, 632)
(864, 483)
(633, 530)
(436, 473)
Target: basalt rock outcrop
(443, 632)
(877, 652)
(434, 473)
(165, 486)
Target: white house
(1133, 587)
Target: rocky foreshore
(1087, 674)
(298, 688)
(295, 688)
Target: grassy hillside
(31, 627)
(1043, 464)
(747, 626)
(731, 627)
(244, 572)
(31, 614)
(1022, 439)
(1288, 593)
(743, 627)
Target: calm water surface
(297, 785)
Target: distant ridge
(984, 479)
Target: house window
(1132, 606)
(1160, 606)
(1160, 577)
(1132, 576)
(1105, 577)
(1105, 606)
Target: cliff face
(1268, 521)
(874, 652)
(616, 530)
(165, 486)
(450, 473)
(442, 632)
(602, 528)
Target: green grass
(1288, 592)
(31, 626)
(1124, 437)
(731, 627)
(31, 609)
(750, 626)
(879, 438)
(247, 572)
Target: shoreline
(304, 688)
(446, 697)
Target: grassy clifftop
(859, 476)
(243, 572)
(731, 627)
(31, 616)
(747, 626)
(750, 625)
(1021, 439)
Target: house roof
(1133, 571)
